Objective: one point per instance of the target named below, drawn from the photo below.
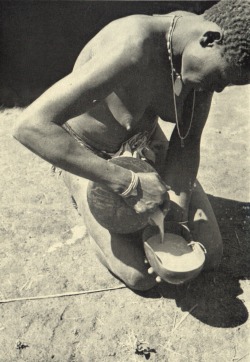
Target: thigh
(204, 226)
(122, 254)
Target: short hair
(233, 17)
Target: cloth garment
(137, 146)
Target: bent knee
(133, 278)
(138, 281)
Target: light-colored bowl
(176, 260)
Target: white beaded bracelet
(132, 186)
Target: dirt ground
(45, 250)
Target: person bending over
(133, 71)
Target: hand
(152, 192)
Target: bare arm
(40, 128)
(183, 163)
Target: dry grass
(40, 255)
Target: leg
(122, 254)
(202, 220)
(204, 227)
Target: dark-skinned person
(135, 70)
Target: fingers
(142, 206)
(158, 279)
(151, 271)
(153, 193)
(153, 181)
(165, 186)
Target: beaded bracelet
(132, 186)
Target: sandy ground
(45, 250)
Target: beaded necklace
(177, 83)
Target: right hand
(152, 192)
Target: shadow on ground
(216, 294)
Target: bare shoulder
(183, 13)
(130, 35)
(133, 29)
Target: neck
(186, 30)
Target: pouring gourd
(110, 209)
(172, 253)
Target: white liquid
(175, 254)
(158, 219)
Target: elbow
(19, 132)
(22, 131)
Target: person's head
(221, 56)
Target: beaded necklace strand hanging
(177, 83)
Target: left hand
(151, 271)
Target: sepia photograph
(125, 196)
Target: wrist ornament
(131, 190)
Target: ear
(210, 38)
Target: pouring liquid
(175, 254)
